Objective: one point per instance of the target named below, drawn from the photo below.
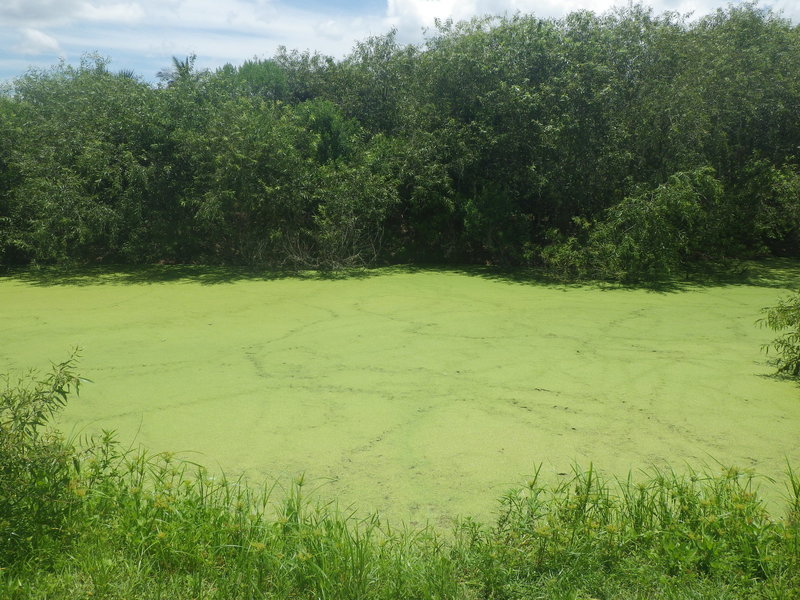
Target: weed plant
(785, 319)
(666, 535)
(35, 463)
(133, 525)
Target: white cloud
(790, 8)
(411, 16)
(32, 13)
(331, 29)
(123, 13)
(40, 13)
(239, 29)
(231, 15)
(35, 42)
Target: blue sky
(143, 35)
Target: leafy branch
(785, 318)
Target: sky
(144, 35)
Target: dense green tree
(9, 180)
(306, 73)
(373, 84)
(264, 78)
(761, 214)
(81, 165)
(581, 143)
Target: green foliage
(249, 179)
(778, 219)
(295, 186)
(372, 83)
(654, 234)
(181, 72)
(496, 137)
(785, 318)
(306, 73)
(83, 180)
(568, 258)
(647, 236)
(263, 78)
(350, 215)
(668, 533)
(37, 492)
(8, 179)
(764, 211)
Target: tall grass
(668, 533)
(149, 526)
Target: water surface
(422, 394)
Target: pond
(418, 393)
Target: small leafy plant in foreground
(36, 465)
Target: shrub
(785, 317)
(566, 258)
(762, 214)
(667, 535)
(651, 235)
(36, 466)
(645, 237)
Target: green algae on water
(421, 394)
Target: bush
(651, 235)
(36, 465)
(645, 237)
(762, 214)
(568, 258)
(785, 317)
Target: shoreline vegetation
(628, 146)
(91, 520)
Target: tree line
(624, 145)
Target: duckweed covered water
(419, 394)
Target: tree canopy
(623, 145)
